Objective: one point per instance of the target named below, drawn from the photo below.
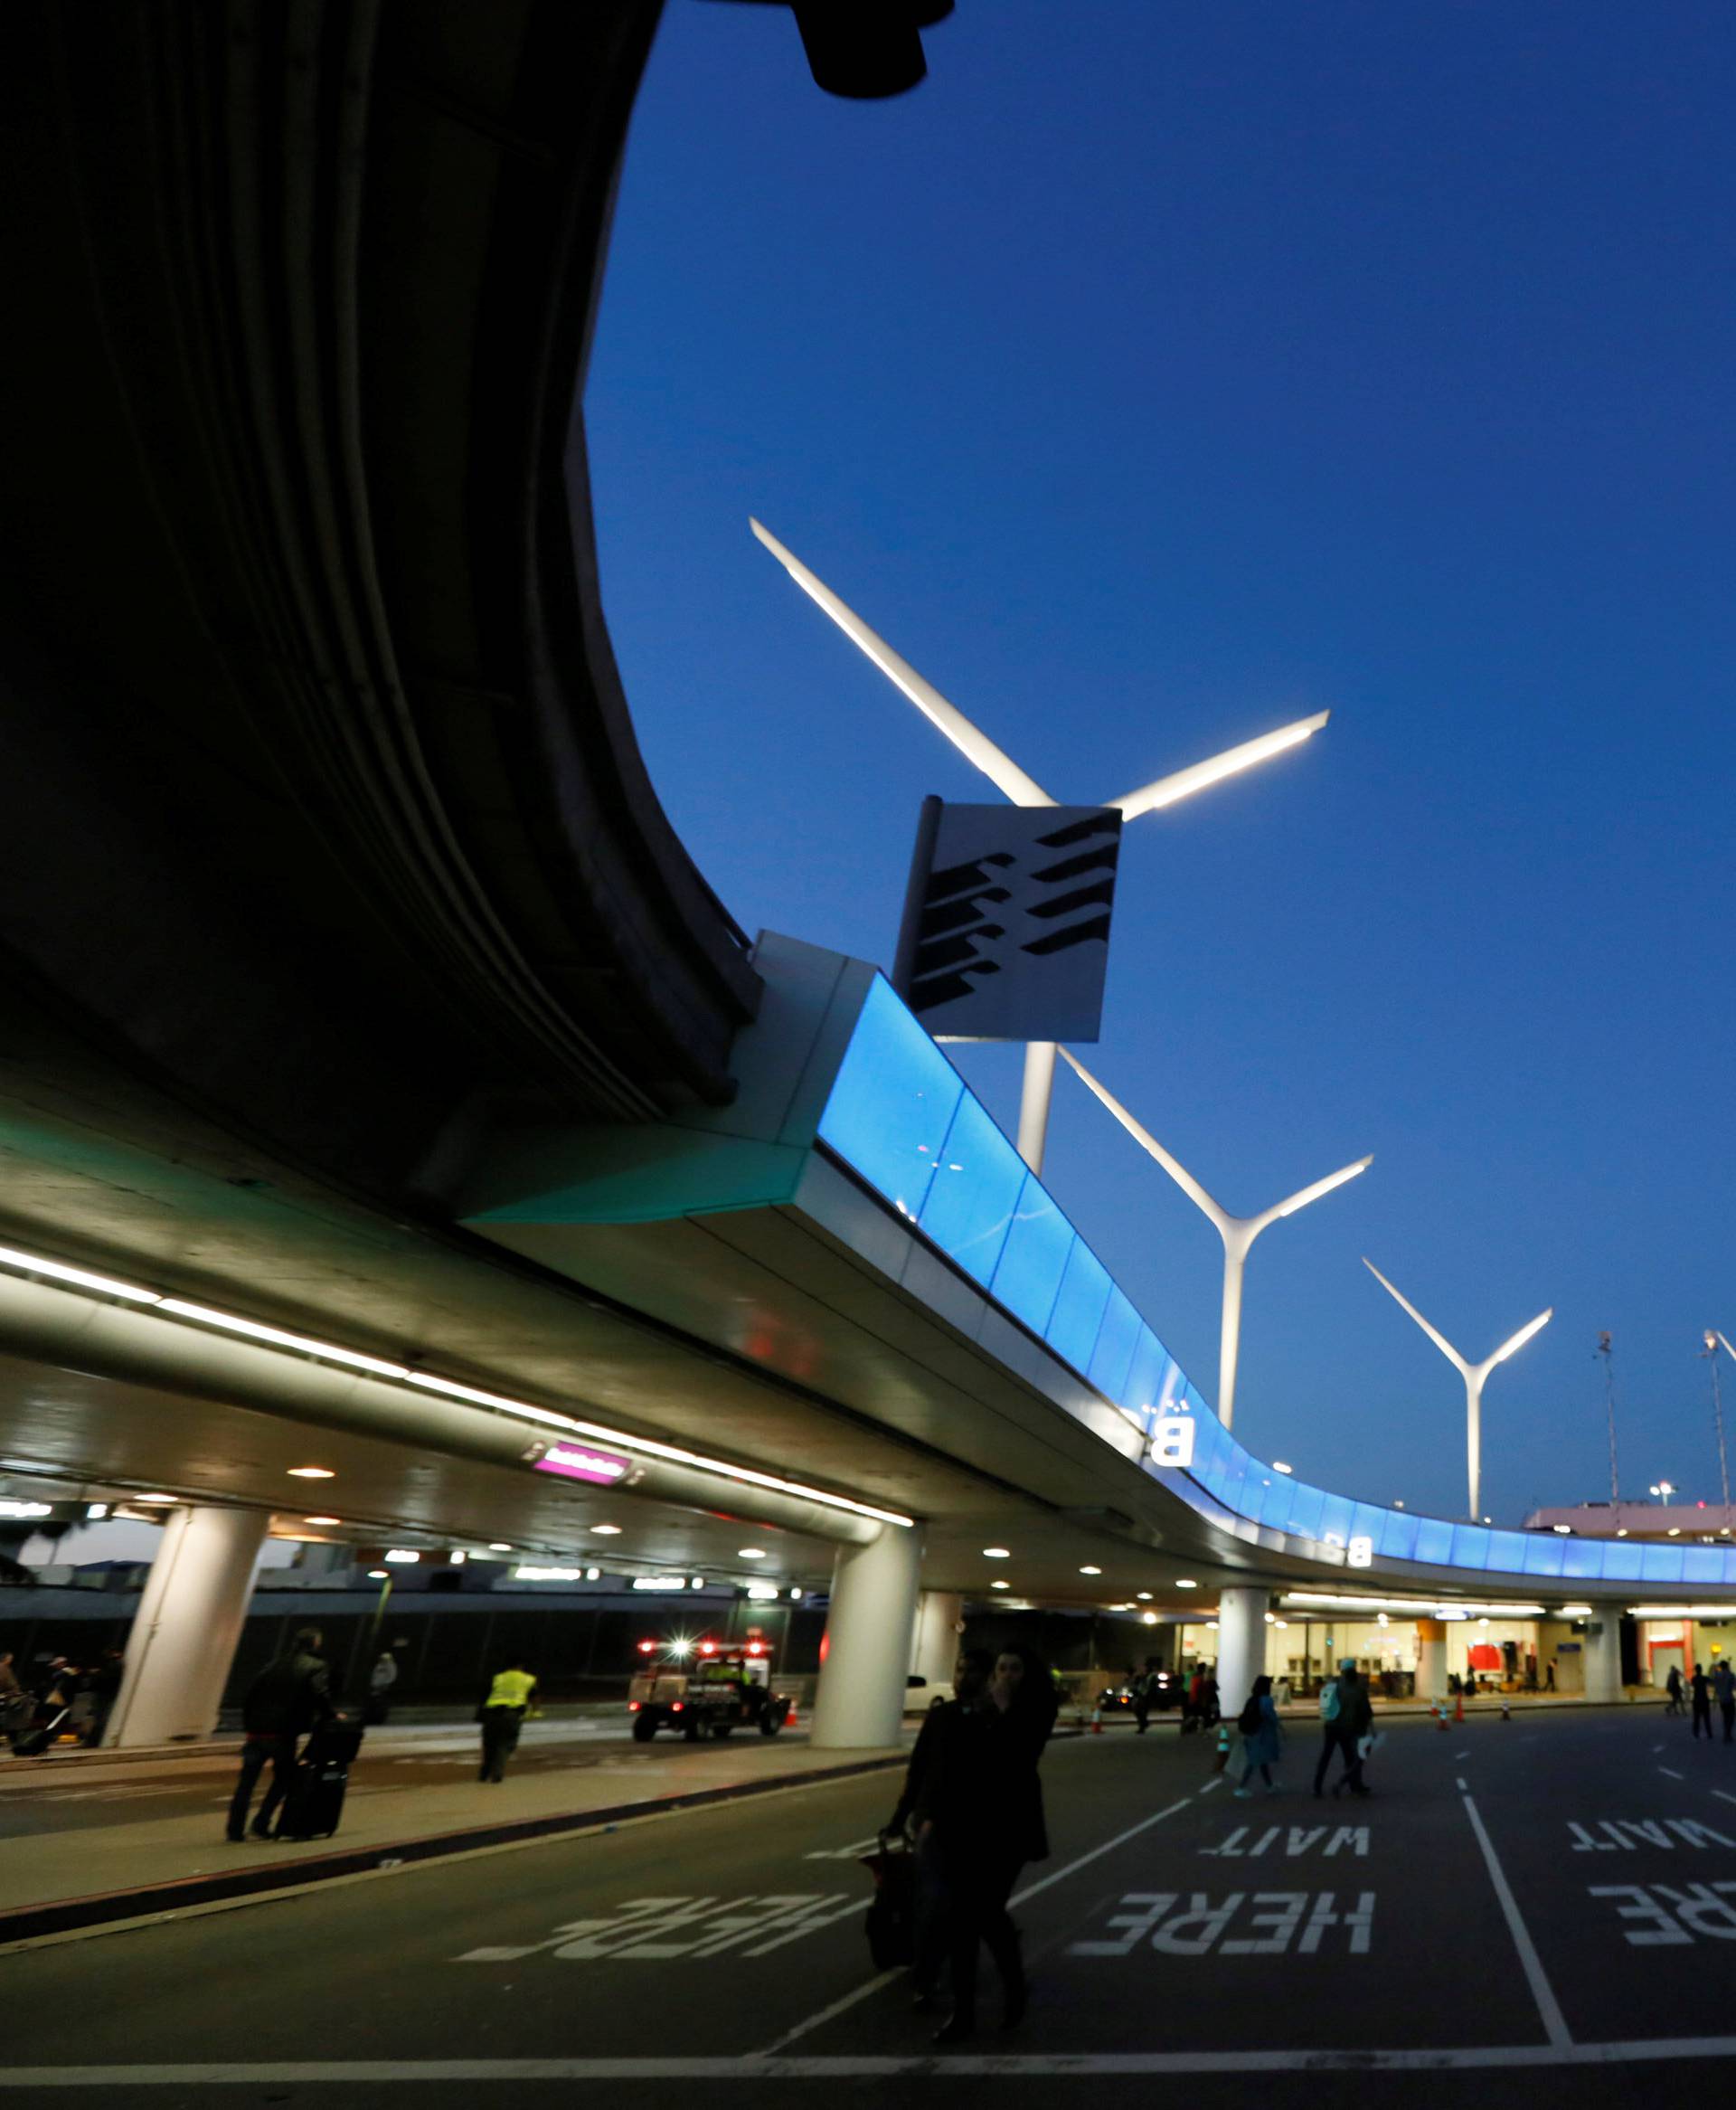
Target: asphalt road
(1522, 1910)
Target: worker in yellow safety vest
(500, 1714)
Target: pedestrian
(1548, 1679)
(1701, 1690)
(290, 1694)
(1261, 1737)
(1346, 1715)
(979, 1811)
(1724, 1683)
(1282, 1693)
(1193, 1700)
(1144, 1691)
(932, 1932)
(1673, 1686)
(381, 1680)
(17, 1709)
(1209, 1700)
(502, 1714)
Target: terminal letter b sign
(1172, 1441)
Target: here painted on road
(1274, 1922)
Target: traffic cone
(1097, 1721)
(1440, 1717)
(1458, 1712)
(1506, 1708)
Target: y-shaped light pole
(1005, 774)
(1476, 1376)
(1238, 1232)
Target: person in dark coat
(290, 1694)
(1700, 1684)
(932, 1929)
(1345, 1732)
(979, 1811)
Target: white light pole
(1476, 1376)
(1238, 1232)
(1007, 777)
(1714, 1341)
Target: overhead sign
(571, 1462)
(1006, 921)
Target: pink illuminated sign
(571, 1463)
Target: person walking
(1346, 1715)
(381, 1680)
(1673, 1686)
(979, 1811)
(1261, 1738)
(932, 1931)
(1700, 1686)
(1724, 1685)
(290, 1694)
(1144, 1691)
(502, 1714)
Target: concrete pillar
(189, 1622)
(934, 1649)
(860, 1703)
(1241, 1644)
(1431, 1659)
(1602, 1656)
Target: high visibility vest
(511, 1689)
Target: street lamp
(1476, 1376)
(1238, 1232)
(1663, 1490)
(1007, 777)
(1714, 1341)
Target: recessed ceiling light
(312, 1473)
(322, 1520)
(498, 1546)
(1279, 1466)
(751, 1553)
(995, 1553)
(1143, 1595)
(376, 1575)
(1090, 1571)
(156, 1497)
(1149, 1618)
(1000, 1585)
(1181, 1583)
(607, 1531)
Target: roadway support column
(1431, 1659)
(189, 1622)
(1241, 1644)
(860, 1704)
(1603, 1657)
(934, 1646)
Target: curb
(29, 1922)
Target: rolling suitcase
(891, 1916)
(33, 1743)
(314, 1807)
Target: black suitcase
(892, 1916)
(314, 1807)
(33, 1743)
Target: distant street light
(1238, 1232)
(1714, 1341)
(1663, 1490)
(1476, 1376)
(1008, 777)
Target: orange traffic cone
(1097, 1721)
(1458, 1712)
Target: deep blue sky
(1152, 375)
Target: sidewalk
(57, 1881)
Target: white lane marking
(1464, 1783)
(1464, 1753)
(1656, 1747)
(860, 1993)
(1672, 1772)
(844, 1853)
(1722, 1797)
(1210, 1784)
(752, 2065)
(1554, 2025)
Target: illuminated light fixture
(95, 1511)
(460, 1557)
(1426, 1607)
(795, 1595)
(1000, 1585)
(1088, 1570)
(1147, 1619)
(1397, 1505)
(1675, 1531)
(1706, 1612)
(681, 1646)
(188, 1312)
(376, 1575)
(1211, 1626)
(545, 1574)
(1476, 1375)
(1482, 1622)
(1281, 1624)
(695, 1582)
(1143, 1596)
(1622, 1533)
(322, 1520)
(995, 1553)
(1238, 1232)
(1564, 1530)
(1271, 1619)
(400, 1557)
(82, 1278)
(498, 1546)
(156, 1497)
(1011, 781)
(659, 1582)
(14, 1509)
(1383, 1619)
(1279, 1466)
(1574, 1611)
(751, 1553)
(1181, 1583)
(279, 1338)
(607, 1531)
(763, 1593)
(593, 1575)
(312, 1473)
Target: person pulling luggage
(291, 1695)
(502, 1714)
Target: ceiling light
(303, 1343)
(1088, 1570)
(498, 1546)
(593, 1575)
(82, 1278)
(376, 1575)
(1148, 1619)
(1675, 1531)
(322, 1520)
(1564, 1530)
(312, 1473)
(1000, 1585)
(751, 1553)
(460, 1557)
(995, 1553)
(402, 1557)
(1181, 1583)
(156, 1497)
(1143, 1595)
(1279, 1466)
(607, 1531)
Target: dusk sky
(1148, 377)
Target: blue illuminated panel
(900, 1115)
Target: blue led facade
(903, 1120)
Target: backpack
(1247, 1720)
(1329, 1700)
